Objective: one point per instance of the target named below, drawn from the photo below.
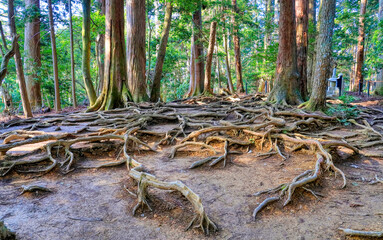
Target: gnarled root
(352, 232)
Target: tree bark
(198, 52)
(54, 57)
(74, 99)
(86, 52)
(301, 11)
(380, 71)
(227, 64)
(360, 53)
(192, 82)
(19, 66)
(7, 55)
(237, 49)
(32, 58)
(286, 88)
(135, 49)
(269, 23)
(323, 55)
(100, 51)
(311, 48)
(209, 58)
(115, 92)
(156, 86)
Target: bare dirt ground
(89, 203)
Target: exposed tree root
(352, 232)
(239, 123)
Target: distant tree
(54, 57)
(286, 88)
(74, 99)
(17, 56)
(86, 52)
(156, 86)
(360, 52)
(209, 58)
(237, 48)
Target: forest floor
(87, 202)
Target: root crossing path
(213, 135)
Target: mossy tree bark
(237, 49)
(360, 53)
(301, 11)
(18, 62)
(323, 56)
(86, 52)
(155, 94)
(32, 55)
(74, 99)
(135, 49)
(114, 93)
(286, 88)
(209, 58)
(54, 57)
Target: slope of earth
(258, 149)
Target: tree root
(176, 148)
(264, 204)
(358, 233)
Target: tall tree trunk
(380, 71)
(311, 47)
(19, 65)
(323, 55)
(269, 23)
(6, 54)
(301, 11)
(192, 82)
(209, 58)
(32, 59)
(156, 86)
(135, 49)
(115, 92)
(237, 49)
(360, 54)
(218, 65)
(86, 52)
(227, 64)
(54, 57)
(100, 50)
(198, 52)
(286, 88)
(74, 99)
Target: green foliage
(344, 111)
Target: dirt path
(93, 204)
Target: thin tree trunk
(301, 11)
(311, 47)
(269, 23)
(323, 55)
(135, 49)
(227, 64)
(192, 82)
(32, 59)
(19, 65)
(360, 54)
(100, 50)
(209, 58)
(198, 52)
(218, 65)
(156, 86)
(74, 99)
(237, 49)
(379, 76)
(86, 52)
(286, 88)
(7, 55)
(54, 57)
